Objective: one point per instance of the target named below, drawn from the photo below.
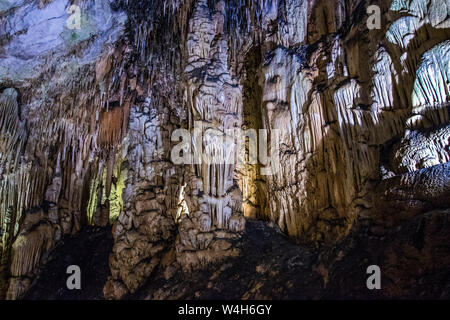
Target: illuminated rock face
(214, 99)
(86, 119)
(340, 102)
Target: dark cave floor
(414, 259)
(89, 250)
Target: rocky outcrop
(145, 228)
(214, 99)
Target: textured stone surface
(52, 112)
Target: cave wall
(59, 125)
(87, 118)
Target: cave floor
(89, 250)
(271, 266)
